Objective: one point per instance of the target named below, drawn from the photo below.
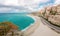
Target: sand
(44, 30)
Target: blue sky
(50, 2)
(25, 5)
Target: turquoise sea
(20, 20)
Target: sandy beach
(33, 27)
(44, 30)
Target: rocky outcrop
(52, 14)
(6, 27)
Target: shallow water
(20, 20)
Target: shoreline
(33, 27)
(30, 29)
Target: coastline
(33, 27)
(28, 30)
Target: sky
(18, 6)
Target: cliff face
(52, 14)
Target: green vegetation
(5, 28)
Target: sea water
(20, 20)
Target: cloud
(27, 5)
(31, 4)
(57, 2)
(23, 2)
(9, 9)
